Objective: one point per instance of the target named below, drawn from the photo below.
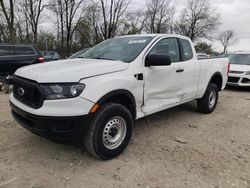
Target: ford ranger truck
(98, 96)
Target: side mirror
(157, 60)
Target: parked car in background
(239, 74)
(225, 55)
(50, 55)
(97, 97)
(15, 56)
(202, 56)
(79, 53)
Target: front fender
(97, 87)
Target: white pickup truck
(98, 96)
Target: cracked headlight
(62, 91)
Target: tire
(208, 102)
(110, 121)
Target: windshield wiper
(97, 58)
(103, 58)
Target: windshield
(241, 59)
(125, 49)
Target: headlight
(62, 91)
(248, 73)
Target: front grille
(233, 79)
(236, 72)
(27, 92)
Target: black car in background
(13, 57)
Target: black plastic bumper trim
(62, 128)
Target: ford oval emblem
(20, 91)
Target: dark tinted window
(23, 50)
(187, 50)
(5, 51)
(168, 46)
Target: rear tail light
(41, 59)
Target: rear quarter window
(24, 50)
(187, 50)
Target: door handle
(139, 76)
(179, 70)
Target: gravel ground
(174, 148)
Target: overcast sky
(235, 15)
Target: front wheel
(109, 132)
(208, 102)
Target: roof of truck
(155, 35)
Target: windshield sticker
(137, 41)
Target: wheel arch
(217, 79)
(120, 96)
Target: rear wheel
(208, 102)
(109, 132)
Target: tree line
(84, 23)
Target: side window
(24, 50)
(5, 51)
(168, 46)
(187, 50)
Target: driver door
(162, 86)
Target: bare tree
(71, 7)
(105, 18)
(57, 7)
(93, 17)
(68, 15)
(22, 24)
(84, 33)
(9, 15)
(32, 10)
(159, 15)
(112, 16)
(133, 23)
(227, 38)
(3, 30)
(198, 19)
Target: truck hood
(69, 70)
(237, 67)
